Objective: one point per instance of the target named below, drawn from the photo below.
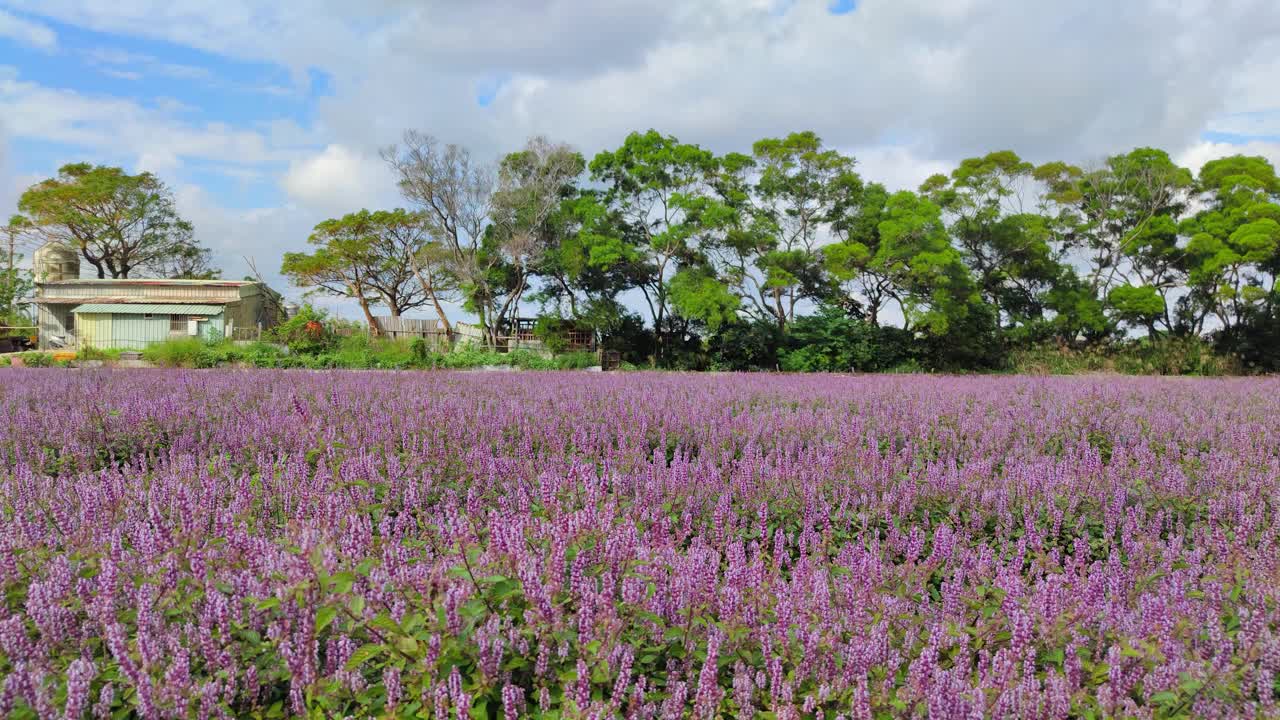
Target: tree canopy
(123, 225)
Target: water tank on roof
(56, 261)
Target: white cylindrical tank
(56, 261)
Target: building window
(147, 316)
(177, 324)
(71, 322)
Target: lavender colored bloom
(642, 545)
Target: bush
(178, 352)
(1256, 339)
(308, 332)
(745, 346)
(971, 342)
(36, 359)
(1144, 356)
(92, 353)
(833, 341)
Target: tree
(533, 184)
(1234, 244)
(370, 257)
(769, 219)
(190, 263)
(1123, 218)
(456, 196)
(15, 283)
(914, 247)
(122, 224)
(656, 186)
(1008, 248)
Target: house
(133, 313)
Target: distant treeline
(787, 258)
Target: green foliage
(1145, 356)
(473, 358)
(832, 341)
(92, 353)
(745, 346)
(1142, 305)
(122, 224)
(36, 359)
(1256, 339)
(183, 352)
(698, 295)
(307, 332)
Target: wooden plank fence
(402, 328)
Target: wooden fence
(402, 328)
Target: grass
(355, 352)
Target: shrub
(36, 359)
(745, 346)
(178, 352)
(309, 332)
(92, 353)
(833, 341)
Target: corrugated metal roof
(139, 309)
(124, 300)
(153, 281)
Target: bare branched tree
(456, 195)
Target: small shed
(135, 326)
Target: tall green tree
(1234, 246)
(869, 278)
(1007, 244)
(370, 257)
(1122, 219)
(658, 187)
(770, 216)
(123, 225)
(15, 282)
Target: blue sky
(267, 117)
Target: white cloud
(117, 128)
(897, 168)
(1063, 80)
(1195, 156)
(339, 180)
(27, 32)
(122, 74)
(909, 86)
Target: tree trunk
(368, 314)
(435, 301)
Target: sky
(266, 117)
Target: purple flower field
(277, 543)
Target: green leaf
(269, 603)
(324, 616)
(342, 582)
(363, 654)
